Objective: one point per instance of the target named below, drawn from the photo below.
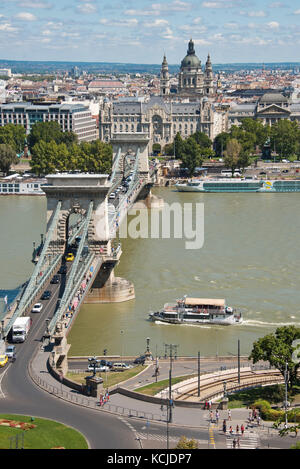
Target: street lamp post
(121, 332)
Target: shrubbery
(267, 413)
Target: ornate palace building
(270, 108)
(161, 117)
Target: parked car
(55, 279)
(37, 308)
(46, 295)
(121, 367)
(10, 351)
(98, 368)
(106, 363)
(140, 360)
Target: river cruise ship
(239, 185)
(197, 311)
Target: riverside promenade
(129, 407)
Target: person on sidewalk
(217, 416)
(224, 427)
(229, 414)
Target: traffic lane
(24, 397)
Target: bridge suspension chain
(71, 277)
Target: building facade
(71, 117)
(192, 81)
(160, 119)
(269, 109)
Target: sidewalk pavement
(182, 416)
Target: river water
(250, 257)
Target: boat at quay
(239, 185)
(197, 311)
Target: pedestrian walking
(230, 430)
(258, 420)
(238, 442)
(211, 416)
(237, 429)
(224, 427)
(242, 429)
(234, 443)
(217, 416)
(229, 414)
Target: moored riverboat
(239, 185)
(197, 311)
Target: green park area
(23, 432)
(154, 388)
(110, 378)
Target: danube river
(250, 257)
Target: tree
(13, 135)
(178, 146)
(202, 139)
(192, 155)
(50, 131)
(260, 131)
(278, 349)
(285, 137)
(220, 143)
(184, 443)
(7, 157)
(232, 154)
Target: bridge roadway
(19, 395)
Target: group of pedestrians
(254, 416)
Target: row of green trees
(93, 157)
(52, 150)
(240, 145)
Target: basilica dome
(191, 60)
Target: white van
(121, 367)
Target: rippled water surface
(250, 257)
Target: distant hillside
(19, 66)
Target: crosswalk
(248, 441)
(163, 438)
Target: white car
(98, 368)
(37, 308)
(112, 196)
(121, 367)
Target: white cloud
(142, 12)
(34, 4)
(156, 23)
(297, 12)
(7, 27)
(126, 23)
(176, 5)
(26, 16)
(273, 25)
(254, 14)
(87, 8)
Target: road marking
(2, 395)
(211, 436)
(248, 441)
(159, 437)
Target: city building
(192, 81)
(71, 117)
(160, 119)
(5, 72)
(270, 108)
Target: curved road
(19, 395)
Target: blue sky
(141, 31)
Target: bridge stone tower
(74, 193)
(131, 144)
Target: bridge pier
(110, 289)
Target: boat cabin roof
(205, 301)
